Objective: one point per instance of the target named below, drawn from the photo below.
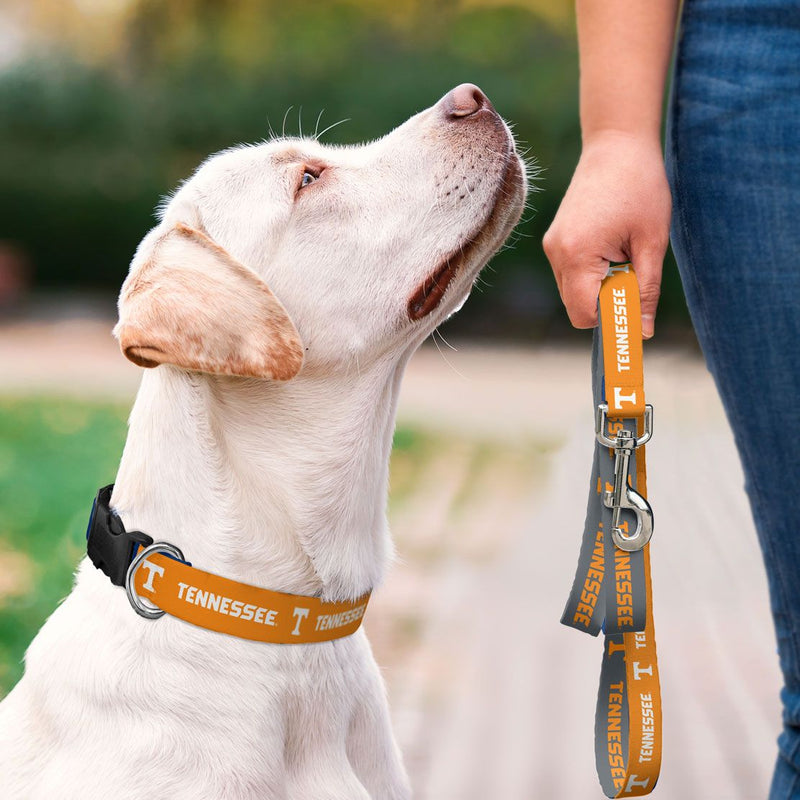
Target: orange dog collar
(159, 581)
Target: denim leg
(733, 160)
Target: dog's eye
(308, 177)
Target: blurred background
(105, 106)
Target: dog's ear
(188, 302)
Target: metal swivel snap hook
(623, 496)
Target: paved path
(492, 698)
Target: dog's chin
(477, 248)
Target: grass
(54, 454)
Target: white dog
(260, 447)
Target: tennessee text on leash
(280, 298)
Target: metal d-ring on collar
(623, 496)
(141, 606)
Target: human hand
(617, 208)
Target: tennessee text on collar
(159, 580)
(612, 590)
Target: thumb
(648, 263)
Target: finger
(577, 275)
(648, 263)
(580, 288)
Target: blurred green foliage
(89, 144)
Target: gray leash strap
(608, 592)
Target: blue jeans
(733, 159)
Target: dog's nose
(464, 101)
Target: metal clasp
(143, 607)
(623, 496)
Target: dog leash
(612, 590)
(158, 580)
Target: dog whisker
(316, 127)
(283, 127)
(441, 353)
(444, 341)
(331, 127)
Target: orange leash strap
(612, 590)
(159, 581)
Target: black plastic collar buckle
(108, 544)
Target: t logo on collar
(299, 614)
(152, 569)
